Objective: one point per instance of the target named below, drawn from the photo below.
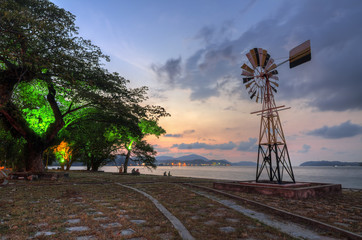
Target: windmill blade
(245, 73)
(270, 62)
(252, 89)
(245, 80)
(260, 51)
(263, 58)
(251, 60)
(266, 60)
(271, 67)
(252, 95)
(275, 84)
(248, 85)
(274, 72)
(255, 54)
(262, 95)
(273, 89)
(274, 77)
(259, 95)
(247, 68)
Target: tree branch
(14, 118)
(74, 109)
(58, 124)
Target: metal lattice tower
(261, 81)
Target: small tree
(63, 152)
(143, 151)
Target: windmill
(261, 82)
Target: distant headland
(330, 163)
(197, 160)
(187, 160)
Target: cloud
(189, 131)
(163, 150)
(248, 146)
(305, 149)
(173, 135)
(331, 81)
(247, 7)
(205, 34)
(344, 130)
(198, 145)
(169, 71)
(179, 135)
(230, 108)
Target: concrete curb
(184, 233)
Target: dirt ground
(90, 206)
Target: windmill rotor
(261, 70)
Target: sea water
(349, 177)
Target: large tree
(49, 73)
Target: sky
(189, 54)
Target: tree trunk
(69, 163)
(125, 165)
(34, 159)
(95, 165)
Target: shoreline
(347, 176)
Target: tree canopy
(51, 78)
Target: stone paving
(126, 214)
(73, 220)
(85, 218)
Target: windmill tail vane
(261, 81)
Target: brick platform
(300, 190)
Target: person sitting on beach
(165, 173)
(169, 174)
(135, 172)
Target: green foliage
(52, 80)
(142, 152)
(91, 142)
(31, 99)
(151, 127)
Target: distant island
(329, 163)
